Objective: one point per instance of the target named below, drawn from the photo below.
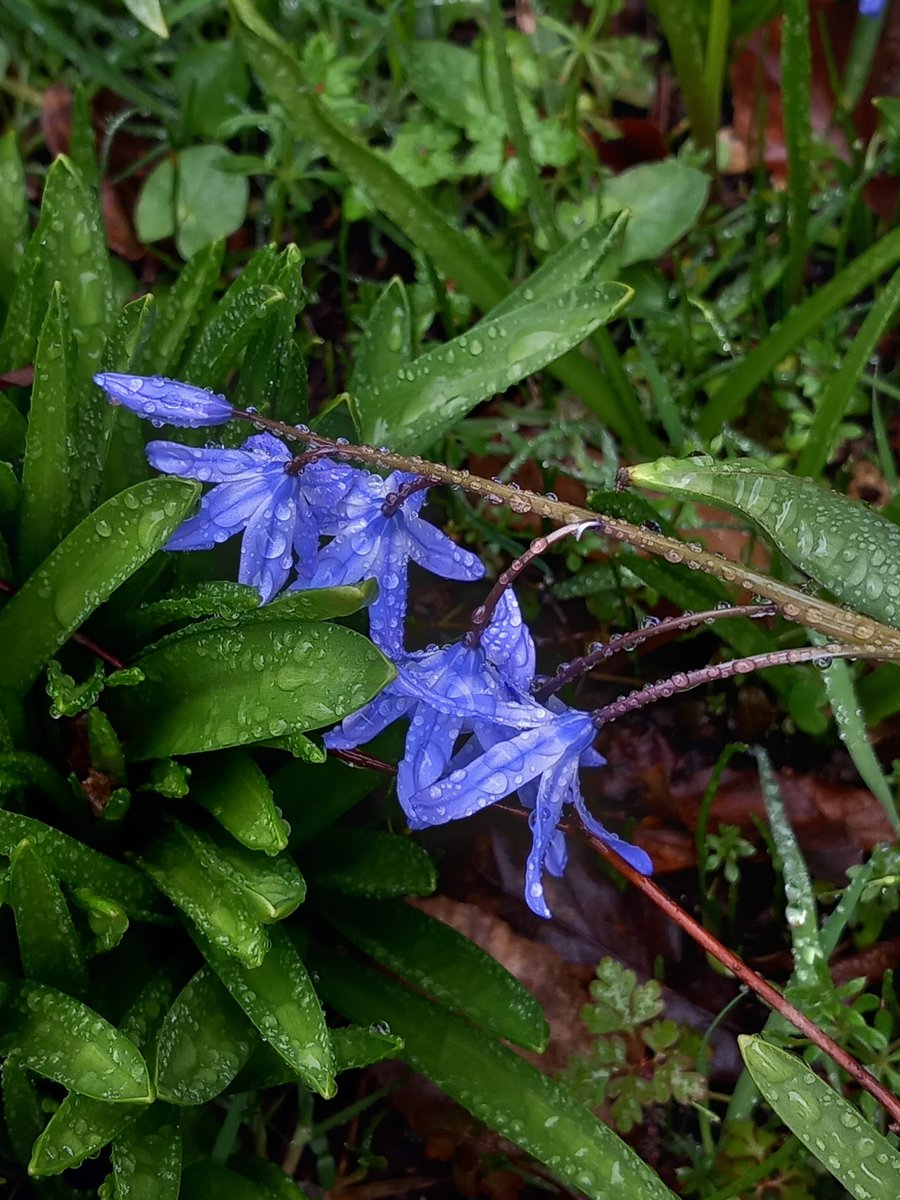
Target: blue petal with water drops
(378, 540)
(277, 512)
(166, 401)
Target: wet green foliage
(193, 901)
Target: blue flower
(280, 513)
(446, 692)
(548, 755)
(871, 8)
(382, 533)
(165, 401)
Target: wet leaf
(369, 863)
(842, 544)
(413, 409)
(84, 570)
(150, 15)
(219, 685)
(49, 946)
(76, 864)
(831, 1129)
(663, 200)
(183, 307)
(386, 344)
(495, 1085)
(183, 867)
(204, 1041)
(445, 964)
(62, 1039)
(280, 1000)
(146, 1157)
(232, 787)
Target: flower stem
(683, 681)
(871, 637)
(636, 637)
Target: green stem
(539, 201)
(716, 51)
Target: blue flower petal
(509, 645)
(431, 548)
(633, 855)
(223, 512)
(165, 401)
(267, 551)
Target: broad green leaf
(842, 544)
(182, 308)
(443, 385)
(77, 865)
(494, 1084)
(446, 965)
(831, 1129)
(146, 1157)
(280, 1000)
(568, 267)
(663, 200)
(336, 788)
(369, 863)
(734, 388)
(209, 598)
(272, 885)
(150, 15)
(386, 345)
(201, 885)
(80, 1127)
(46, 479)
(62, 1039)
(356, 1047)
(84, 570)
(320, 603)
(13, 212)
(212, 82)
(232, 787)
(212, 688)
(204, 1041)
(461, 258)
(68, 246)
(176, 199)
(49, 946)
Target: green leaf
(842, 544)
(46, 478)
(13, 427)
(280, 1000)
(221, 685)
(49, 946)
(495, 1085)
(386, 344)
(68, 246)
(176, 199)
(62, 1039)
(831, 1129)
(68, 698)
(664, 200)
(182, 308)
(232, 787)
(369, 863)
(76, 864)
(107, 919)
(336, 787)
(13, 212)
(440, 961)
(568, 267)
(320, 603)
(212, 84)
(204, 1041)
(80, 1127)
(118, 435)
(810, 963)
(150, 15)
(22, 1114)
(356, 1047)
(84, 570)
(735, 387)
(443, 385)
(146, 1157)
(184, 867)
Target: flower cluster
(477, 734)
